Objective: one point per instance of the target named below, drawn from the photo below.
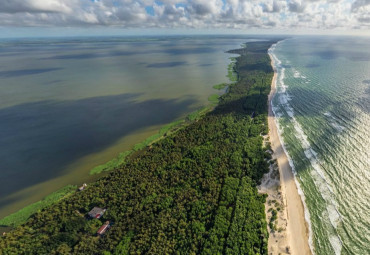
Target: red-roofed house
(103, 228)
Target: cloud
(360, 10)
(36, 6)
(360, 3)
(242, 14)
(273, 6)
(364, 19)
(296, 6)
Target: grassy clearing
(22, 215)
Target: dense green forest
(192, 192)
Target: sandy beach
(291, 232)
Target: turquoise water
(323, 113)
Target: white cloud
(37, 6)
(274, 6)
(296, 6)
(360, 4)
(244, 14)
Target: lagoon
(70, 104)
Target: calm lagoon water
(67, 105)
(323, 109)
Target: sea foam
(318, 176)
(297, 74)
(334, 122)
(281, 74)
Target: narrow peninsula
(192, 192)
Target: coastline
(296, 231)
(26, 210)
(244, 207)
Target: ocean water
(322, 107)
(70, 104)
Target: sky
(130, 17)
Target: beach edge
(297, 230)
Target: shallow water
(67, 105)
(323, 111)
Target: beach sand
(291, 232)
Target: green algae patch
(220, 86)
(214, 99)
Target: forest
(192, 192)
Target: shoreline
(147, 140)
(296, 231)
(237, 193)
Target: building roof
(103, 228)
(96, 212)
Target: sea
(70, 104)
(322, 109)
